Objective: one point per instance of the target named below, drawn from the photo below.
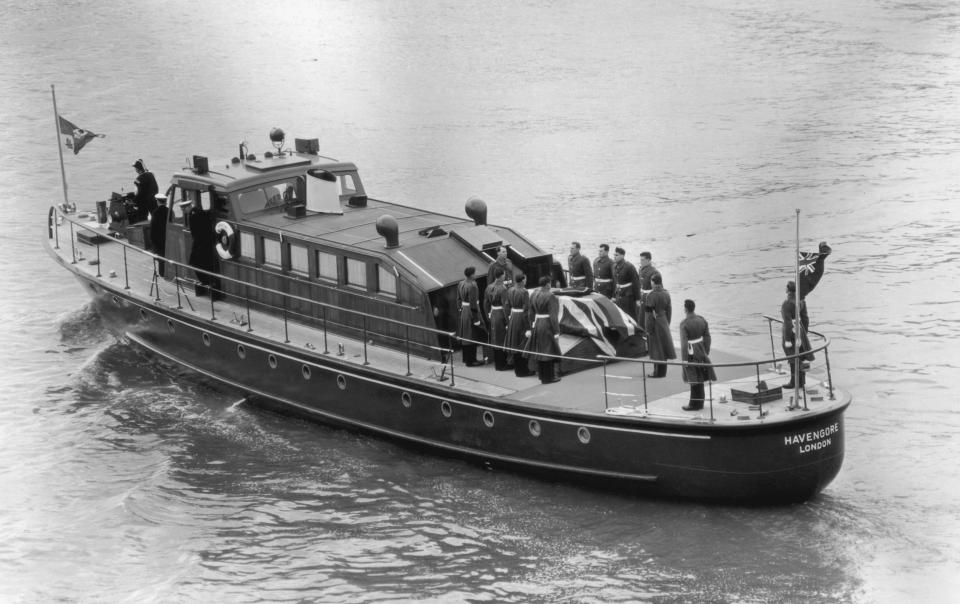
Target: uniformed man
(202, 250)
(627, 284)
(158, 231)
(505, 265)
(695, 348)
(518, 299)
(603, 272)
(470, 326)
(788, 315)
(497, 307)
(578, 266)
(147, 189)
(544, 332)
(647, 270)
(657, 325)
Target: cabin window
(327, 266)
(356, 273)
(386, 281)
(347, 185)
(271, 195)
(298, 259)
(271, 252)
(248, 248)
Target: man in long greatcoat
(470, 326)
(657, 326)
(603, 272)
(627, 288)
(158, 231)
(695, 348)
(787, 313)
(497, 307)
(581, 275)
(202, 249)
(545, 330)
(646, 272)
(504, 264)
(518, 300)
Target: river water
(693, 130)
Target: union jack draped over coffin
(593, 324)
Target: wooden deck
(620, 390)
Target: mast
(56, 125)
(797, 325)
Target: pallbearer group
(511, 318)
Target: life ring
(226, 241)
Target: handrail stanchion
(408, 349)
(643, 371)
(177, 285)
(98, 258)
(759, 398)
(246, 297)
(326, 350)
(826, 357)
(606, 401)
(773, 352)
(286, 333)
(710, 388)
(453, 380)
(73, 243)
(365, 361)
(213, 316)
(56, 229)
(126, 269)
(155, 285)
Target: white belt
(599, 280)
(645, 291)
(580, 278)
(541, 317)
(496, 308)
(690, 344)
(627, 284)
(513, 310)
(465, 303)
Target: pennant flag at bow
(811, 266)
(76, 137)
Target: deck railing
(182, 282)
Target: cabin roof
(226, 176)
(433, 248)
(431, 261)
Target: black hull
(753, 464)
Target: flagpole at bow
(56, 125)
(797, 326)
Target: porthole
(405, 399)
(241, 351)
(206, 338)
(341, 382)
(488, 419)
(583, 434)
(305, 371)
(446, 409)
(272, 361)
(534, 426)
(170, 325)
(93, 287)
(143, 314)
(116, 300)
